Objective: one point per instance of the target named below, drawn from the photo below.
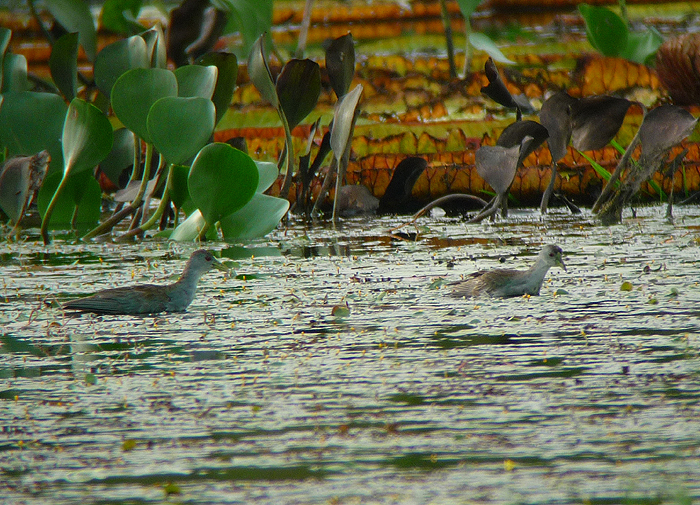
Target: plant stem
(164, 202)
(446, 23)
(304, 29)
(49, 210)
(284, 192)
(467, 46)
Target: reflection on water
(259, 393)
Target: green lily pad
(179, 127)
(134, 94)
(221, 181)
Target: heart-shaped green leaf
(268, 173)
(298, 88)
(606, 31)
(177, 187)
(87, 137)
(196, 80)
(221, 181)
(64, 64)
(75, 16)
(179, 127)
(482, 42)
(256, 219)
(250, 18)
(31, 122)
(117, 58)
(157, 51)
(190, 228)
(227, 66)
(136, 91)
(14, 71)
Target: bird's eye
(551, 255)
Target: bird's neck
(537, 272)
(186, 285)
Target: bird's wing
(484, 282)
(144, 299)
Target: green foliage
(609, 34)
(117, 58)
(120, 16)
(298, 88)
(196, 80)
(227, 66)
(81, 192)
(248, 17)
(75, 16)
(64, 65)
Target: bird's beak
(560, 262)
(220, 266)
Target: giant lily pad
(179, 127)
(136, 91)
(221, 181)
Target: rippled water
(259, 394)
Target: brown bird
(149, 298)
(503, 282)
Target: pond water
(258, 394)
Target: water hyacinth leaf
(664, 127)
(14, 71)
(227, 66)
(120, 16)
(189, 229)
(482, 42)
(248, 17)
(515, 133)
(64, 64)
(31, 122)
(177, 185)
(340, 63)
(116, 59)
(497, 166)
(343, 118)
(121, 155)
(75, 16)
(257, 218)
(259, 72)
(641, 47)
(179, 126)
(87, 137)
(136, 91)
(155, 42)
(606, 31)
(496, 89)
(5, 36)
(221, 181)
(81, 190)
(268, 173)
(298, 88)
(596, 120)
(196, 80)
(555, 115)
(20, 179)
(401, 184)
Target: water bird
(150, 298)
(504, 282)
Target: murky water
(258, 394)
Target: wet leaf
(120, 16)
(87, 137)
(340, 311)
(340, 63)
(298, 88)
(515, 133)
(64, 64)
(268, 173)
(178, 191)
(641, 47)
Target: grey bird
(150, 298)
(503, 282)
